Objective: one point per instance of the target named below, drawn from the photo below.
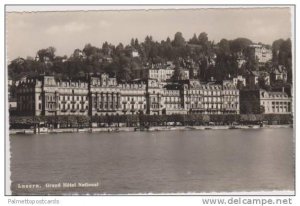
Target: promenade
(150, 129)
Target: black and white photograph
(173, 101)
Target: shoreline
(151, 129)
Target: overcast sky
(66, 31)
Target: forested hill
(208, 58)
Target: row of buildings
(164, 73)
(102, 95)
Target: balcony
(172, 102)
(213, 102)
(213, 109)
(106, 110)
(82, 110)
(197, 109)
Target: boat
(43, 130)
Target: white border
(123, 200)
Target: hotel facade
(102, 95)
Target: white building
(262, 54)
(160, 74)
(238, 79)
(275, 102)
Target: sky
(28, 32)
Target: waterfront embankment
(150, 129)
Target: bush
(149, 120)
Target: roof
(260, 73)
(279, 69)
(277, 94)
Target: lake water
(154, 162)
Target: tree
(203, 41)
(124, 75)
(275, 50)
(178, 41)
(106, 48)
(49, 52)
(239, 44)
(285, 57)
(132, 42)
(90, 50)
(136, 43)
(119, 49)
(178, 73)
(194, 40)
(226, 63)
(224, 47)
(203, 38)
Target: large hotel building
(102, 95)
